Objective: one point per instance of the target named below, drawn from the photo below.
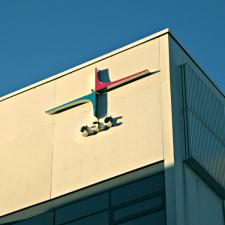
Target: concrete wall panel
(44, 156)
(198, 118)
(203, 207)
(25, 149)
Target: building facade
(133, 137)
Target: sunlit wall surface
(138, 202)
(49, 155)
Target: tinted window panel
(97, 219)
(43, 219)
(82, 208)
(138, 189)
(150, 204)
(158, 218)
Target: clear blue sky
(40, 38)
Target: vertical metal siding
(205, 113)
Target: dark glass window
(43, 219)
(140, 202)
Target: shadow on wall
(102, 107)
(134, 198)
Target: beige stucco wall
(202, 205)
(25, 148)
(44, 156)
(187, 185)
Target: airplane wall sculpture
(93, 96)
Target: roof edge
(88, 63)
(208, 77)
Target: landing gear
(108, 121)
(97, 127)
